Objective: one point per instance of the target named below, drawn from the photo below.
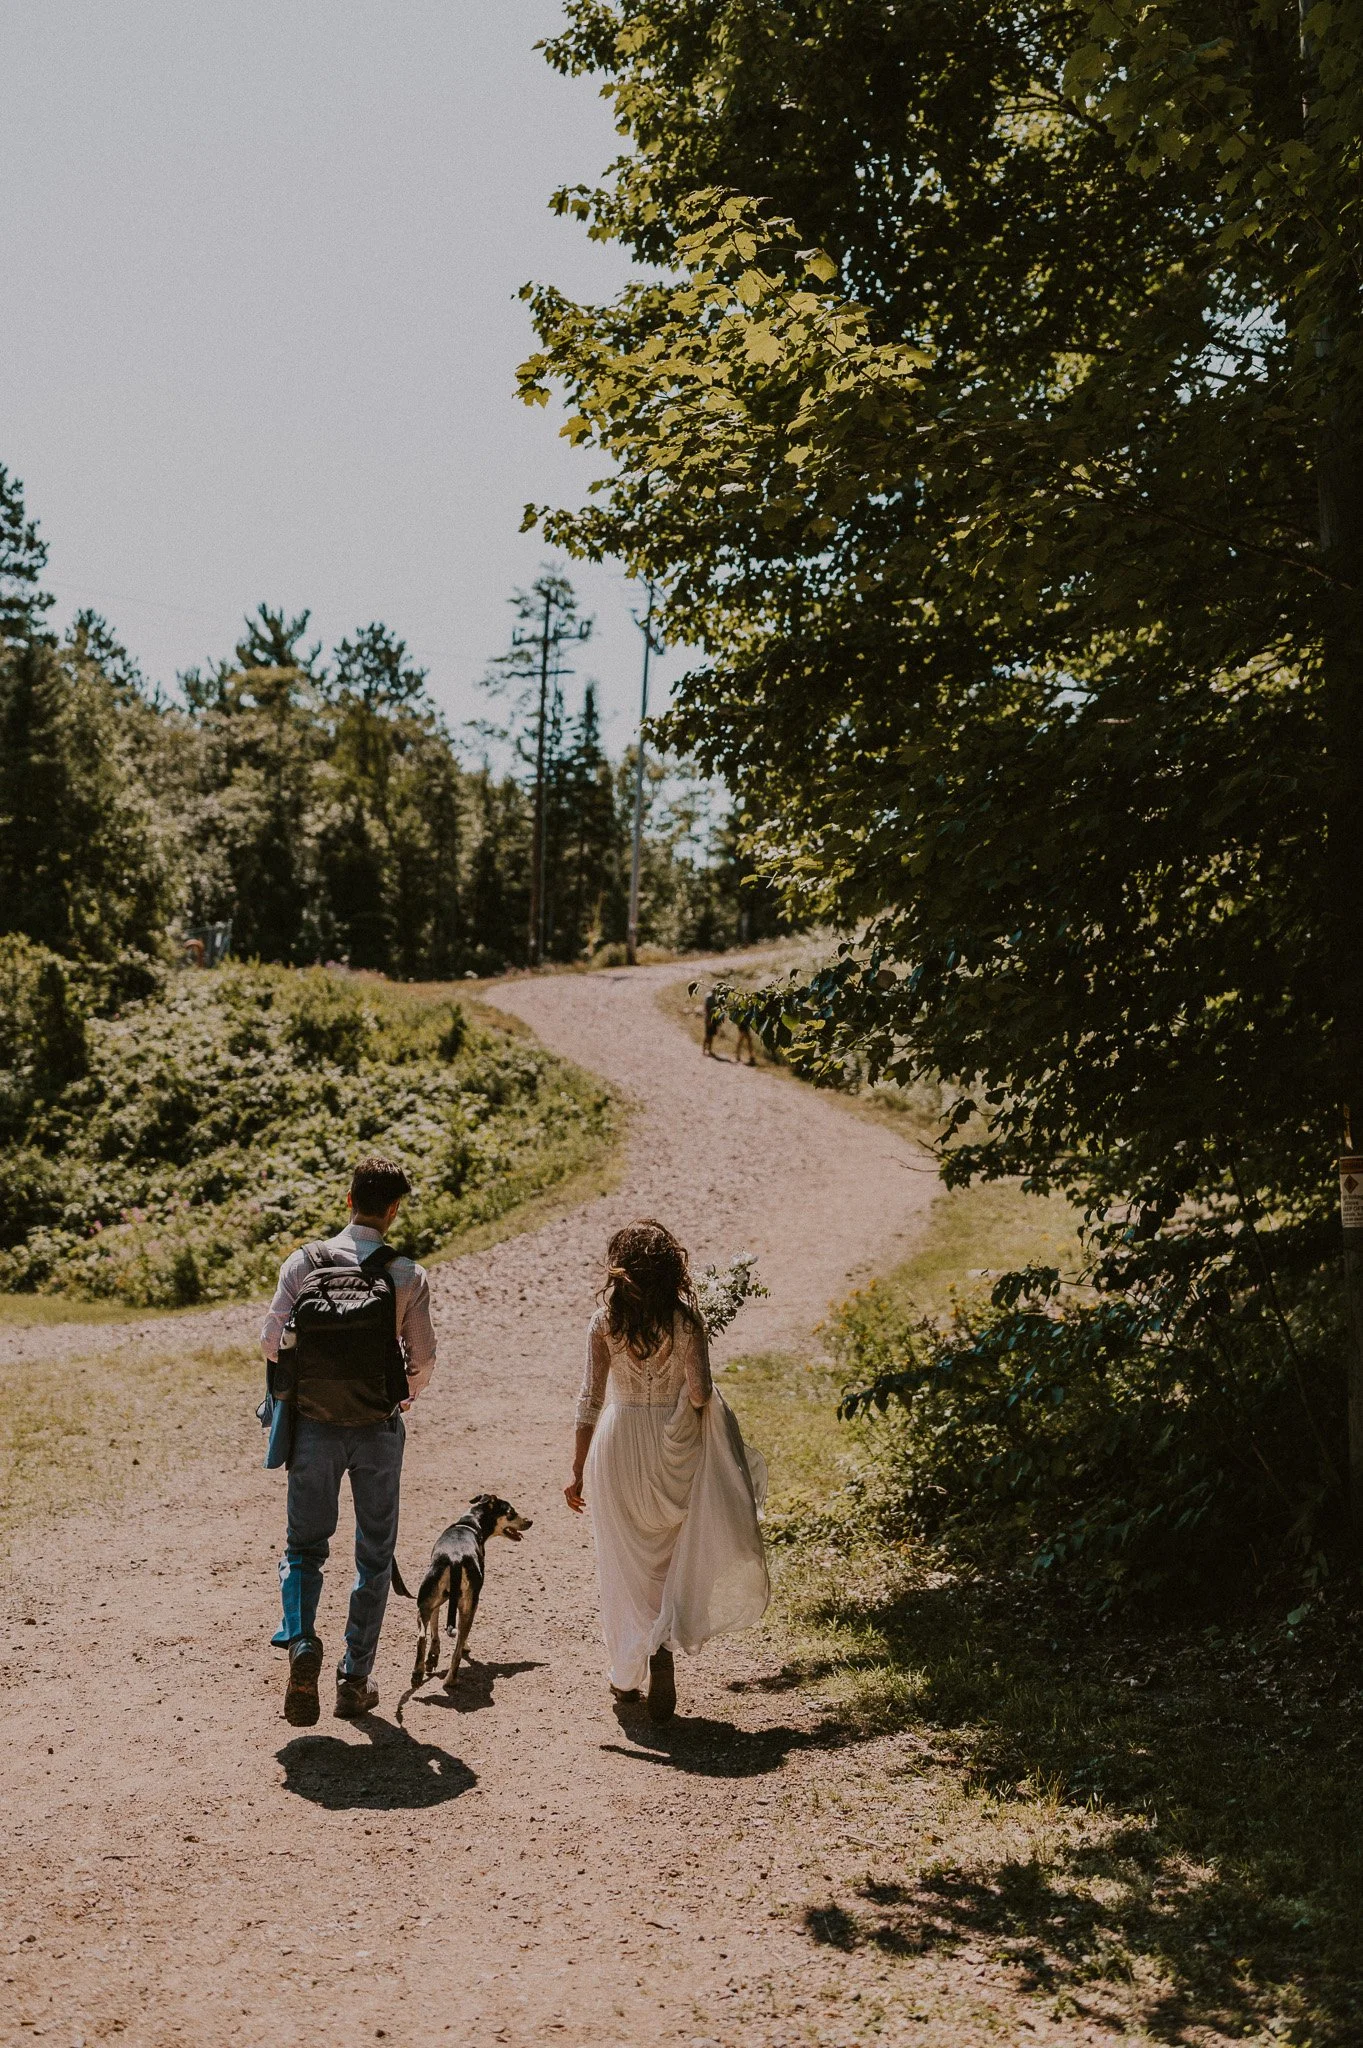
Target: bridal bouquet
(721, 1294)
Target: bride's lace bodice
(652, 1382)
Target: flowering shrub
(215, 1126)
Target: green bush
(1135, 1455)
(452, 1037)
(327, 1021)
(42, 1028)
(216, 1123)
(32, 1192)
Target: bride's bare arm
(572, 1492)
(590, 1399)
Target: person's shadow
(705, 1748)
(395, 1771)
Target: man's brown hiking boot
(662, 1686)
(301, 1709)
(356, 1694)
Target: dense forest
(322, 807)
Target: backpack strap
(379, 1261)
(317, 1254)
(381, 1258)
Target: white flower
(722, 1294)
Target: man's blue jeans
(323, 1453)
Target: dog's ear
(482, 1500)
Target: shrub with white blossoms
(721, 1294)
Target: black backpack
(339, 1356)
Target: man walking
(349, 1345)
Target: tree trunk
(1339, 470)
(1343, 674)
(1339, 484)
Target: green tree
(531, 674)
(499, 872)
(1002, 461)
(23, 557)
(92, 639)
(81, 868)
(389, 853)
(993, 506)
(263, 733)
(272, 641)
(428, 881)
(590, 840)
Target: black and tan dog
(456, 1577)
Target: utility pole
(537, 849)
(636, 856)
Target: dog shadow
(474, 1690)
(395, 1772)
(705, 1748)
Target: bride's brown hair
(648, 1278)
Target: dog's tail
(452, 1611)
(398, 1586)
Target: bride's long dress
(673, 1493)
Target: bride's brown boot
(662, 1686)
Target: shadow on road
(708, 1749)
(474, 1689)
(396, 1771)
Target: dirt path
(521, 1866)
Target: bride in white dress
(674, 1505)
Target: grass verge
(1053, 1829)
(38, 1311)
(97, 1429)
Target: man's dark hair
(376, 1184)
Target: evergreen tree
(377, 696)
(272, 642)
(374, 667)
(499, 877)
(265, 731)
(387, 868)
(23, 558)
(80, 864)
(91, 638)
(427, 881)
(596, 835)
(531, 673)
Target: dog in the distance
(455, 1580)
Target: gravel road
(519, 1866)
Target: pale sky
(258, 262)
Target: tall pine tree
(80, 860)
(23, 557)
